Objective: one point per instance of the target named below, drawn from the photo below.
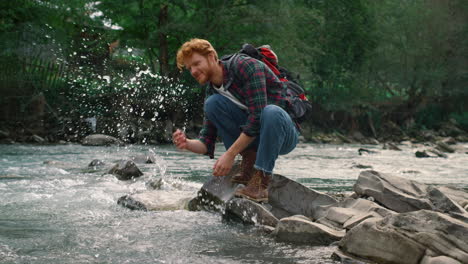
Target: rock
(288, 198)
(358, 136)
(443, 203)
(351, 212)
(4, 134)
(402, 195)
(407, 237)
(343, 138)
(101, 140)
(437, 153)
(37, 139)
(422, 154)
(216, 192)
(360, 166)
(391, 146)
(125, 170)
(363, 150)
(299, 230)
(449, 141)
(444, 147)
(148, 158)
(438, 260)
(458, 195)
(96, 163)
(339, 255)
(396, 193)
(249, 212)
(157, 200)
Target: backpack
(300, 105)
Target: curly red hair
(201, 46)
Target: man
(245, 106)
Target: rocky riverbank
(387, 219)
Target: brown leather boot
(257, 188)
(247, 167)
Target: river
(53, 209)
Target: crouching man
(246, 106)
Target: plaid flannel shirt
(250, 79)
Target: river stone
(407, 237)
(37, 139)
(288, 198)
(339, 255)
(216, 192)
(299, 230)
(101, 140)
(125, 170)
(351, 212)
(96, 163)
(157, 200)
(422, 154)
(458, 195)
(249, 212)
(443, 203)
(391, 146)
(396, 193)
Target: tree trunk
(163, 44)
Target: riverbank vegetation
(384, 68)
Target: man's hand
(224, 164)
(180, 139)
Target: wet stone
(249, 212)
(125, 170)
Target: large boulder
(157, 200)
(125, 170)
(408, 238)
(101, 140)
(300, 229)
(402, 195)
(288, 198)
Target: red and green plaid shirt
(250, 79)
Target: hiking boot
(257, 188)
(247, 167)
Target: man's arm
(180, 140)
(224, 164)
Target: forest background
(382, 69)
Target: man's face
(200, 67)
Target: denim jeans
(278, 133)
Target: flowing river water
(54, 209)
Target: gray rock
(96, 163)
(339, 255)
(299, 230)
(288, 198)
(397, 194)
(405, 238)
(402, 195)
(391, 146)
(422, 154)
(249, 212)
(351, 212)
(101, 140)
(444, 203)
(437, 153)
(4, 134)
(216, 192)
(157, 200)
(363, 150)
(37, 139)
(444, 147)
(125, 170)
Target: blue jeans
(278, 133)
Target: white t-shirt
(231, 97)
